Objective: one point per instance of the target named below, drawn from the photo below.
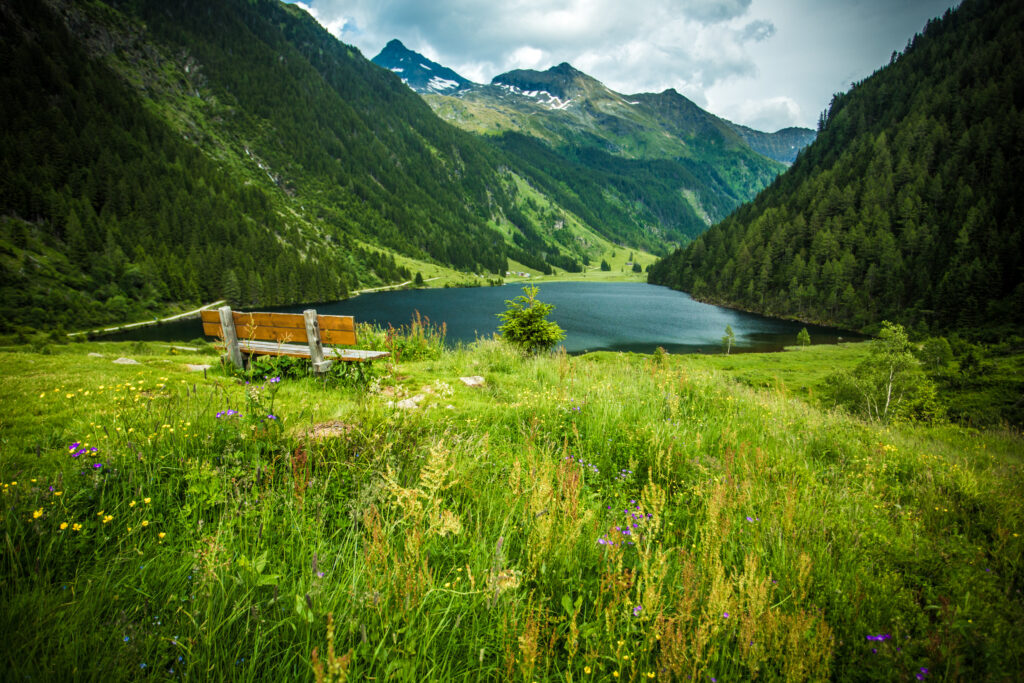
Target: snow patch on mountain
(437, 84)
(542, 96)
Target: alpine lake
(607, 316)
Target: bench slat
(260, 320)
(338, 337)
(301, 351)
(272, 334)
(341, 323)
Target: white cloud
(335, 26)
(769, 114)
(766, 61)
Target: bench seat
(270, 348)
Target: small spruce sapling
(728, 339)
(803, 338)
(525, 325)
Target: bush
(525, 324)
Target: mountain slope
(782, 145)
(418, 72)
(906, 207)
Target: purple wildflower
(97, 465)
(725, 615)
(637, 610)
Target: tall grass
(577, 518)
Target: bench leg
(227, 324)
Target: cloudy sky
(763, 63)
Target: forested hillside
(162, 154)
(907, 207)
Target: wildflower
(145, 522)
(615, 673)
(76, 527)
(63, 526)
(36, 514)
(586, 669)
(107, 518)
(58, 493)
(880, 637)
(126, 639)
(725, 615)
(271, 417)
(97, 465)
(275, 380)
(161, 535)
(146, 500)
(637, 610)
(131, 504)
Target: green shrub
(525, 324)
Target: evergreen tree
(803, 338)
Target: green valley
(906, 206)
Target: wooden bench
(282, 334)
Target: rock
(408, 403)
(197, 368)
(332, 428)
(127, 361)
(93, 354)
(474, 381)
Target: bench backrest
(283, 327)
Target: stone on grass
(127, 361)
(93, 354)
(474, 381)
(409, 403)
(197, 368)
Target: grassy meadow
(602, 517)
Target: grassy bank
(591, 518)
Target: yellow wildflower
(145, 522)
(131, 504)
(586, 669)
(108, 518)
(58, 493)
(63, 526)
(36, 514)
(76, 527)
(161, 534)
(146, 500)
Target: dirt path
(147, 323)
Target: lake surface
(612, 316)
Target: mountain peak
(562, 82)
(419, 73)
